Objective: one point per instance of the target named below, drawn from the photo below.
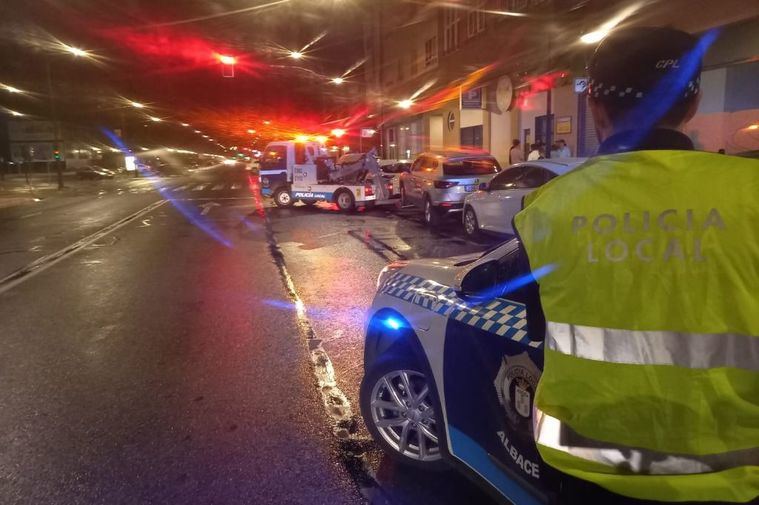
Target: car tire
(432, 216)
(471, 225)
(283, 198)
(414, 416)
(345, 201)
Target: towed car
(451, 370)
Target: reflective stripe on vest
(650, 386)
(550, 432)
(690, 350)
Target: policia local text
(672, 245)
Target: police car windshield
(485, 166)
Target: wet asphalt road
(164, 362)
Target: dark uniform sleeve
(521, 286)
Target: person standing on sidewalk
(515, 153)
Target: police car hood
(440, 270)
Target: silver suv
(439, 181)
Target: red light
(227, 60)
(368, 190)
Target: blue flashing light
(392, 323)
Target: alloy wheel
(402, 412)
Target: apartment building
(479, 73)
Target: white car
(493, 207)
(450, 372)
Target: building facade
(479, 73)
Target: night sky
(164, 54)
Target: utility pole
(54, 117)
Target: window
(483, 166)
(522, 177)
(520, 5)
(451, 21)
(275, 158)
(300, 153)
(430, 51)
(475, 20)
(417, 166)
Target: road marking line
(217, 187)
(45, 262)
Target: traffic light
(57, 154)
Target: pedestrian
(648, 292)
(534, 153)
(515, 153)
(564, 151)
(555, 150)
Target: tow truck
(294, 171)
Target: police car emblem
(515, 385)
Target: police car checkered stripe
(505, 318)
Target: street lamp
(155, 119)
(594, 36)
(185, 124)
(338, 80)
(405, 104)
(137, 105)
(10, 89)
(79, 53)
(15, 113)
(338, 132)
(296, 55)
(251, 131)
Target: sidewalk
(14, 189)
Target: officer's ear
(692, 108)
(601, 118)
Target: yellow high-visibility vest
(650, 385)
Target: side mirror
(481, 281)
(484, 186)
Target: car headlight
(389, 269)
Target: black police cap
(631, 62)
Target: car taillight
(445, 184)
(368, 190)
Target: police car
(451, 372)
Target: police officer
(650, 386)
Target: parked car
(493, 207)
(93, 172)
(439, 181)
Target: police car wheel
(431, 215)
(471, 226)
(282, 198)
(398, 408)
(345, 201)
